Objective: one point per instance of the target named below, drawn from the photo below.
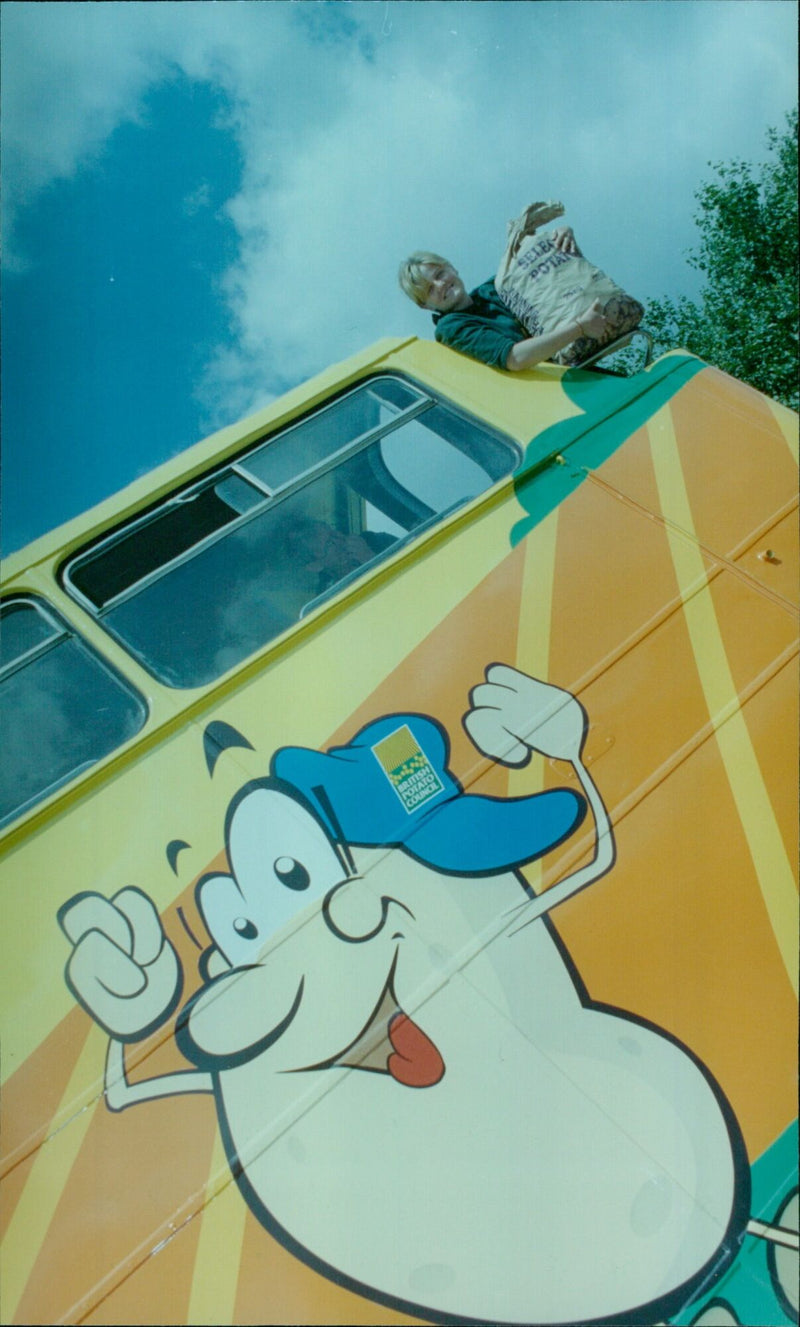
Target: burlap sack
(545, 288)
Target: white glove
(512, 714)
(123, 970)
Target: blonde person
(478, 323)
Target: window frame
(42, 647)
(271, 497)
(63, 632)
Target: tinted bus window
(61, 707)
(223, 567)
(323, 434)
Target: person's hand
(564, 239)
(593, 322)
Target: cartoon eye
(272, 841)
(291, 873)
(245, 928)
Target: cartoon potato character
(415, 1092)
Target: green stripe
(747, 1286)
(558, 460)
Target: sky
(206, 203)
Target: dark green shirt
(486, 330)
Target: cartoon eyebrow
(218, 737)
(174, 847)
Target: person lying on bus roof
(480, 324)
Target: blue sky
(206, 203)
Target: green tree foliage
(746, 320)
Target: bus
(399, 831)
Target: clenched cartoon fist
(512, 714)
(123, 970)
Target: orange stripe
(134, 1182)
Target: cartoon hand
(123, 970)
(512, 714)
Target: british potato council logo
(407, 768)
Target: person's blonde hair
(413, 280)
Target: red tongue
(416, 1061)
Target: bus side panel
(645, 596)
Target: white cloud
(367, 130)
(72, 72)
(62, 96)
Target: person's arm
(525, 354)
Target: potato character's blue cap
(390, 786)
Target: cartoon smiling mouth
(392, 1043)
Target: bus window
(382, 405)
(61, 706)
(209, 577)
(435, 458)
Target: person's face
(447, 291)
